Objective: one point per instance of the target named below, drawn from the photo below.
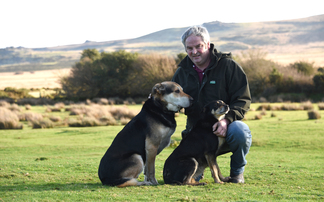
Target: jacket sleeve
(239, 91)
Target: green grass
(285, 163)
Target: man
(208, 75)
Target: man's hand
(220, 128)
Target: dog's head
(171, 95)
(217, 108)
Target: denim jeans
(239, 139)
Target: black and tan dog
(197, 150)
(145, 136)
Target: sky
(48, 23)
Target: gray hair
(197, 31)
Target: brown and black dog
(197, 150)
(135, 147)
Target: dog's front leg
(212, 163)
(149, 170)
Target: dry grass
(55, 118)
(14, 108)
(37, 79)
(9, 120)
(287, 107)
(307, 105)
(31, 117)
(85, 122)
(45, 123)
(320, 106)
(122, 112)
(313, 114)
(99, 115)
(4, 104)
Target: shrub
(4, 104)
(85, 122)
(101, 101)
(32, 117)
(90, 121)
(53, 109)
(263, 113)
(273, 114)
(108, 120)
(122, 112)
(27, 107)
(320, 106)
(45, 123)
(55, 118)
(14, 108)
(291, 107)
(103, 75)
(318, 80)
(264, 107)
(74, 123)
(275, 77)
(16, 93)
(124, 121)
(307, 105)
(9, 120)
(258, 117)
(59, 105)
(304, 67)
(313, 114)
(77, 110)
(148, 70)
(97, 112)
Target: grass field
(35, 79)
(285, 163)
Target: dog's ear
(158, 89)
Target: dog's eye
(177, 91)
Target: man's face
(198, 51)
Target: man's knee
(239, 132)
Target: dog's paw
(150, 182)
(154, 182)
(146, 183)
(226, 179)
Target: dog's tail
(122, 182)
(130, 182)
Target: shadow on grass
(59, 187)
(53, 186)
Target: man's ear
(208, 45)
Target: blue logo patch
(212, 82)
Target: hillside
(284, 41)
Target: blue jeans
(239, 140)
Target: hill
(284, 41)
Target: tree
(112, 72)
(149, 70)
(96, 75)
(91, 54)
(275, 77)
(180, 57)
(304, 67)
(318, 80)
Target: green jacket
(223, 80)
